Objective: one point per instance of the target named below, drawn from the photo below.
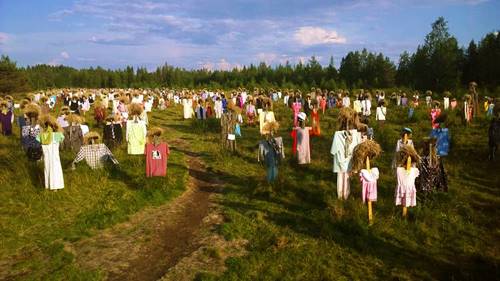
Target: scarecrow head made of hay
(32, 112)
(363, 155)
(270, 128)
(135, 110)
(155, 135)
(92, 138)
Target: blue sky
(224, 34)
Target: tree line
(439, 64)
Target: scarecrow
(267, 115)
(363, 156)
(432, 174)
(271, 150)
(136, 131)
(406, 193)
(494, 131)
(73, 134)
(112, 132)
(94, 152)
(468, 109)
(99, 112)
(30, 131)
(474, 98)
(434, 113)
(228, 126)
(344, 142)
(157, 152)
(301, 144)
(6, 118)
(50, 138)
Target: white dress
(188, 108)
(53, 171)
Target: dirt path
(156, 239)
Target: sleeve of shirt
(80, 156)
(333, 149)
(110, 155)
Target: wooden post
(370, 211)
(405, 138)
(408, 169)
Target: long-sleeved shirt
(95, 155)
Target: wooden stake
(405, 211)
(370, 212)
(405, 138)
(408, 165)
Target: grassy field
(297, 229)
(35, 223)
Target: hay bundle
(3, 104)
(270, 127)
(9, 98)
(47, 121)
(405, 152)
(135, 109)
(32, 110)
(428, 93)
(44, 99)
(436, 103)
(124, 99)
(370, 149)
(347, 117)
(24, 103)
(447, 94)
(75, 119)
(65, 110)
(154, 132)
(113, 118)
(467, 98)
(91, 137)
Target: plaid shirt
(95, 155)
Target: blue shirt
(443, 141)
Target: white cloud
(3, 38)
(65, 55)
(309, 35)
(268, 58)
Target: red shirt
(156, 159)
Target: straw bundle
(346, 116)
(65, 110)
(370, 149)
(270, 127)
(75, 119)
(405, 152)
(135, 109)
(48, 120)
(91, 136)
(32, 110)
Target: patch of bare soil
(162, 240)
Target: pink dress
(296, 106)
(369, 184)
(406, 194)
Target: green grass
(297, 228)
(34, 222)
